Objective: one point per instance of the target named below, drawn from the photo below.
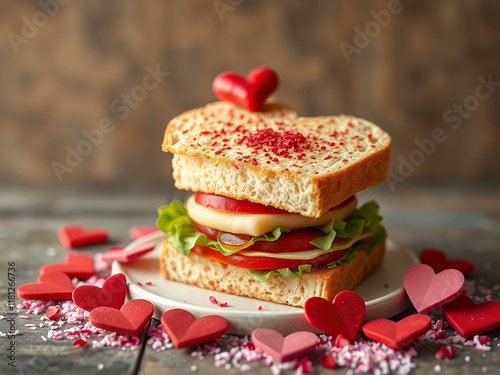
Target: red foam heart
(397, 335)
(141, 230)
(249, 92)
(281, 348)
(185, 330)
(428, 291)
(49, 286)
(130, 319)
(79, 265)
(78, 236)
(470, 319)
(127, 255)
(112, 293)
(343, 315)
(439, 262)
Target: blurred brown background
(69, 67)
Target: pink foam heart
(185, 330)
(428, 291)
(49, 286)
(112, 293)
(343, 315)
(470, 319)
(126, 256)
(281, 348)
(397, 335)
(78, 236)
(141, 230)
(130, 319)
(249, 92)
(439, 262)
(76, 264)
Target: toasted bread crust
(338, 157)
(323, 282)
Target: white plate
(383, 293)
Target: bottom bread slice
(322, 282)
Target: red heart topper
(112, 294)
(185, 330)
(78, 236)
(343, 316)
(397, 335)
(281, 348)
(79, 265)
(439, 262)
(54, 285)
(470, 319)
(428, 291)
(249, 92)
(129, 320)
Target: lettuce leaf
(263, 275)
(183, 236)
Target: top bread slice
(300, 164)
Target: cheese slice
(258, 224)
(344, 244)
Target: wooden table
(462, 220)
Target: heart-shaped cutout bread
(470, 319)
(52, 285)
(112, 294)
(126, 256)
(79, 265)
(438, 260)
(343, 315)
(184, 329)
(77, 236)
(428, 291)
(139, 231)
(399, 334)
(281, 348)
(130, 319)
(249, 92)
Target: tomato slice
(219, 202)
(295, 240)
(264, 263)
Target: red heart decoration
(185, 330)
(79, 342)
(439, 262)
(397, 335)
(470, 319)
(127, 255)
(49, 286)
(141, 230)
(112, 294)
(78, 236)
(249, 92)
(427, 290)
(281, 348)
(52, 313)
(343, 316)
(79, 265)
(130, 319)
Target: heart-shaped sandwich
(273, 201)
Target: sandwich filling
(267, 240)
